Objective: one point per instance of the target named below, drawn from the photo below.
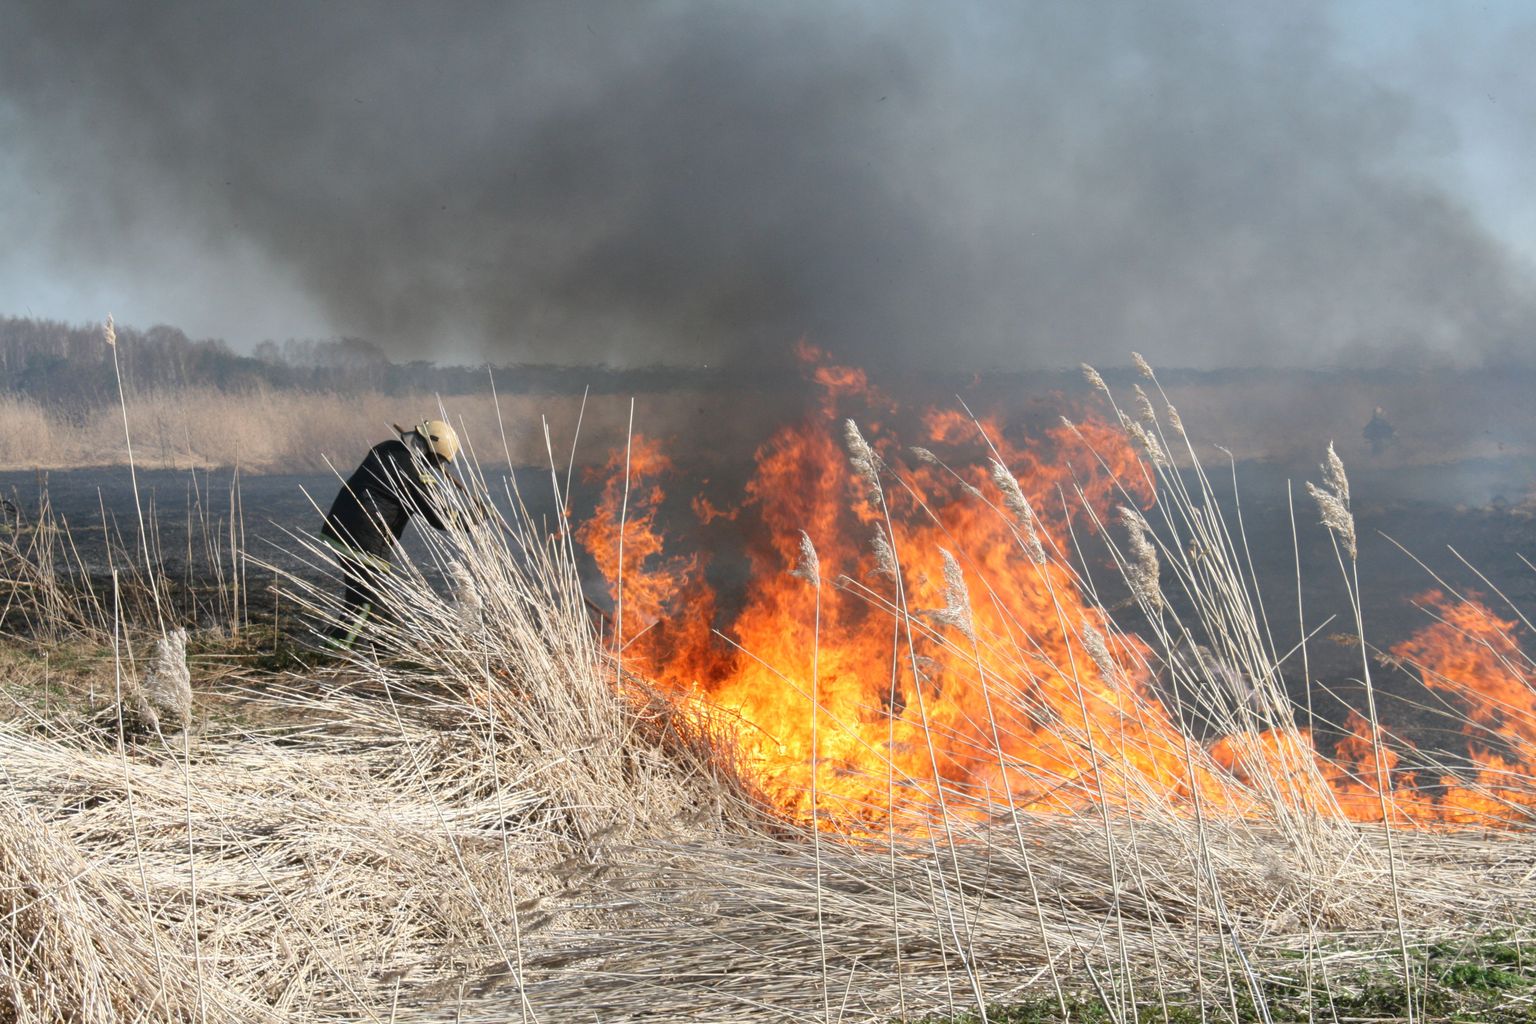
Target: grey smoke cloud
(990, 184)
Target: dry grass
(486, 818)
(286, 431)
(377, 859)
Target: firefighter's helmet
(439, 438)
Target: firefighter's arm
(418, 488)
(475, 509)
(444, 510)
(429, 499)
(430, 496)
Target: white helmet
(439, 437)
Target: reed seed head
(1142, 568)
(924, 455)
(1148, 441)
(1098, 650)
(1144, 407)
(1092, 377)
(1333, 501)
(808, 568)
(866, 463)
(957, 599)
(885, 555)
(1023, 513)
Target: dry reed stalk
(110, 335)
(1333, 503)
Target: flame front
(1473, 656)
(926, 664)
(903, 650)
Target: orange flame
(1474, 655)
(926, 666)
(876, 685)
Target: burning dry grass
(506, 810)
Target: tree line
(69, 366)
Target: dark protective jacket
(379, 498)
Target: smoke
(977, 185)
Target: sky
(1001, 184)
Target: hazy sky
(969, 185)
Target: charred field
(938, 712)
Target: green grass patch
(1491, 978)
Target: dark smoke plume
(976, 185)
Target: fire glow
(913, 643)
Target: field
(1000, 727)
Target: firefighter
(399, 478)
(1378, 433)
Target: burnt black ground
(1479, 508)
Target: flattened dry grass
(356, 856)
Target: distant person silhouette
(1378, 433)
